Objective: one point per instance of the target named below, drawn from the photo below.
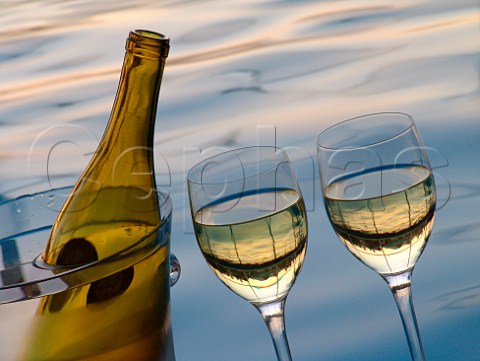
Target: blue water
(267, 72)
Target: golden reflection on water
(236, 68)
(293, 67)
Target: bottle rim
(149, 41)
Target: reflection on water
(464, 232)
(461, 299)
(262, 72)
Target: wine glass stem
(272, 314)
(403, 298)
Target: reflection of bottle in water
(124, 315)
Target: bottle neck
(126, 149)
(134, 110)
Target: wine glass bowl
(262, 270)
(379, 194)
(386, 231)
(250, 223)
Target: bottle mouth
(148, 43)
(150, 34)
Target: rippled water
(267, 72)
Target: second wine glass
(251, 225)
(380, 197)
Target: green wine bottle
(114, 207)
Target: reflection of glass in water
(258, 258)
(386, 228)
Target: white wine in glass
(387, 233)
(379, 193)
(250, 222)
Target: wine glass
(380, 197)
(251, 225)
